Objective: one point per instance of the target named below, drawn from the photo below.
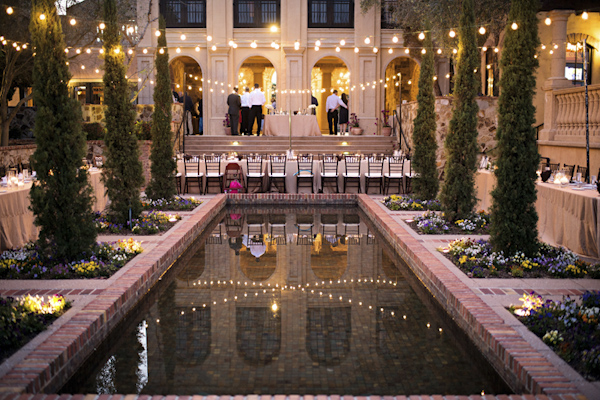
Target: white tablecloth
(302, 125)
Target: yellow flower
(463, 259)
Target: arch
(322, 83)
(328, 334)
(187, 76)
(407, 69)
(258, 334)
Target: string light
(484, 48)
(178, 50)
(496, 50)
(337, 49)
(342, 42)
(197, 48)
(162, 51)
(88, 51)
(423, 51)
(9, 10)
(318, 43)
(482, 30)
(452, 34)
(183, 37)
(367, 40)
(514, 26)
(454, 51)
(390, 51)
(73, 22)
(42, 17)
(296, 45)
(214, 48)
(407, 50)
(209, 38)
(421, 35)
(548, 21)
(145, 51)
(316, 48)
(273, 28)
(584, 15)
(439, 51)
(102, 26)
(395, 39)
(157, 33)
(375, 49)
(356, 50)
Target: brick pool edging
(48, 366)
(522, 366)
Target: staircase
(196, 145)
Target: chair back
(191, 164)
(305, 164)
(213, 164)
(352, 165)
(554, 167)
(395, 165)
(233, 172)
(277, 163)
(255, 164)
(330, 164)
(375, 165)
(570, 171)
(584, 173)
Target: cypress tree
(122, 173)
(458, 191)
(514, 218)
(62, 198)
(162, 184)
(424, 136)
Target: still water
(302, 301)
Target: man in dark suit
(235, 105)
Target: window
(255, 13)
(575, 59)
(184, 13)
(330, 13)
(388, 20)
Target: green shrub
(93, 131)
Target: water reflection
(307, 303)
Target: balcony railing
(184, 13)
(331, 13)
(256, 13)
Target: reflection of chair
(330, 171)
(304, 222)
(277, 229)
(352, 174)
(192, 172)
(395, 166)
(255, 172)
(233, 172)
(351, 229)
(215, 236)
(329, 227)
(305, 172)
(375, 172)
(277, 172)
(234, 224)
(213, 171)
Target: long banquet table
(302, 125)
(567, 217)
(16, 220)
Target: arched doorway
(258, 69)
(401, 77)
(328, 74)
(186, 76)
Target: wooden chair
(554, 167)
(570, 171)
(395, 168)
(255, 173)
(233, 172)
(213, 172)
(305, 172)
(192, 173)
(375, 173)
(352, 174)
(178, 176)
(329, 172)
(277, 174)
(408, 176)
(585, 175)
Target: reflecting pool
(290, 301)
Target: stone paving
(478, 306)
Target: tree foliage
(458, 191)
(424, 134)
(162, 184)
(122, 172)
(62, 198)
(514, 218)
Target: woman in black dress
(344, 115)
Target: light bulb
(447, 75)
(390, 51)
(88, 51)
(101, 51)
(375, 49)
(482, 31)
(214, 48)
(548, 21)
(157, 33)
(584, 15)
(117, 50)
(316, 48)
(130, 52)
(484, 48)
(342, 42)
(197, 48)
(83, 67)
(337, 49)
(496, 50)
(395, 39)
(231, 43)
(162, 51)
(514, 26)
(42, 16)
(296, 45)
(421, 35)
(273, 28)
(439, 51)
(452, 33)
(73, 22)
(183, 37)
(356, 50)
(318, 43)
(178, 50)
(253, 44)
(543, 47)
(423, 51)
(367, 40)
(407, 51)
(78, 51)
(9, 10)
(454, 51)
(145, 51)
(209, 38)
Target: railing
(397, 125)
(565, 119)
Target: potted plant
(355, 129)
(227, 125)
(386, 129)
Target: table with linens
(16, 220)
(568, 215)
(302, 125)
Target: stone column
(557, 78)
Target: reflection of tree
(258, 334)
(105, 380)
(168, 321)
(193, 336)
(328, 333)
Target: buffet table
(567, 216)
(16, 220)
(302, 125)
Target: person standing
(315, 103)
(200, 115)
(235, 104)
(188, 105)
(257, 100)
(245, 111)
(331, 105)
(344, 115)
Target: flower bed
(431, 223)
(569, 328)
(23, 318)
(148, 224)
(410, 203)
(106, 259)
(175, 204)
(477, 260)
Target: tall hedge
(424, 137)
(162, 183)
(62, 198)
(123, 175)
(458, 191)
(514, 218)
